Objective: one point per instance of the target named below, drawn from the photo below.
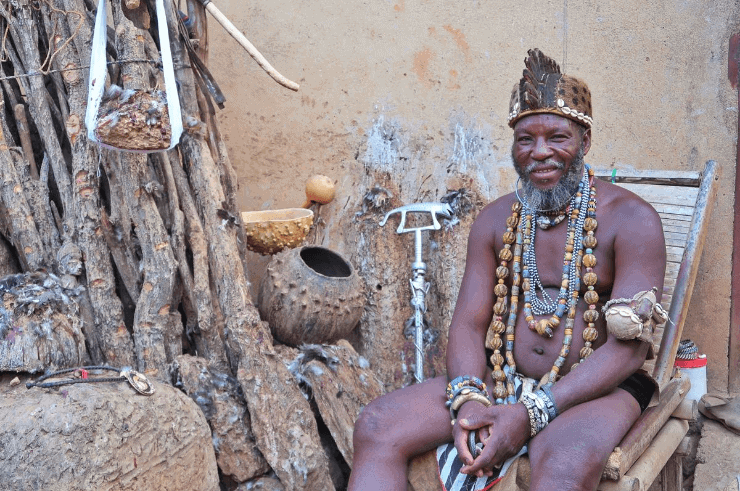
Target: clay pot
(271, 231)
(311, 295)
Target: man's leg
(394, 428)
(572, 451)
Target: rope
(135, 379)
(83, 67)
(82, 380)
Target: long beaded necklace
(533, 304)
(520, 235)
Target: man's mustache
(552, 162)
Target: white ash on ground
(134, 119)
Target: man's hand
(504, 430)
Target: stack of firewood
(152, 239)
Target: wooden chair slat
(668, 195)
(679, 218)
(674, 209)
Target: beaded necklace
(520, 234)
(533, 304)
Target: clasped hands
(503, 430)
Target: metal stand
(419, 287)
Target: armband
(634, 318)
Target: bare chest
(549, 258)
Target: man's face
(548, 153)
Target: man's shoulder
(624, 210)
(615, 197)
(500, 208)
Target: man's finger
(472, 422)
(461, 444)
(485, 433)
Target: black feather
(538, 69)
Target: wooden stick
(261, 61)
(646, 427)
(24, 235)
(25, 31)
(688, 409)
(22, 124)
(648, 466)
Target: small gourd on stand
(309, 294)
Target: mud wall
(417, 91)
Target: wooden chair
(684, 201)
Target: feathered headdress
(543, 89)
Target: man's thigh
(584, 435)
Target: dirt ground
(717, 459)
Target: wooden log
(156, 296)
(208, 338)
(199, 29)
(103, 436)
(177, 239)
(8, 261)
(217, 395)
(652, 460)
(672, 473)
(25, 135)
(282, 420)
(341, 383)
(36, 193)
(280, 414)
(40, 325)
(423, 473)
(646, 427)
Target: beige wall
(438, 75)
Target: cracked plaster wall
(429, 82)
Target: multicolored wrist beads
(463, 389)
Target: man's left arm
(639, 265)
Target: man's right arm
(473, 310)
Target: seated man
(541, 265)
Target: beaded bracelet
(467, 395)
(463, 389)
(459, 383)
(550, 402)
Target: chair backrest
(684, 200)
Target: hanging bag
(132, 120)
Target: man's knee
(577, 466)
(374, 427)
